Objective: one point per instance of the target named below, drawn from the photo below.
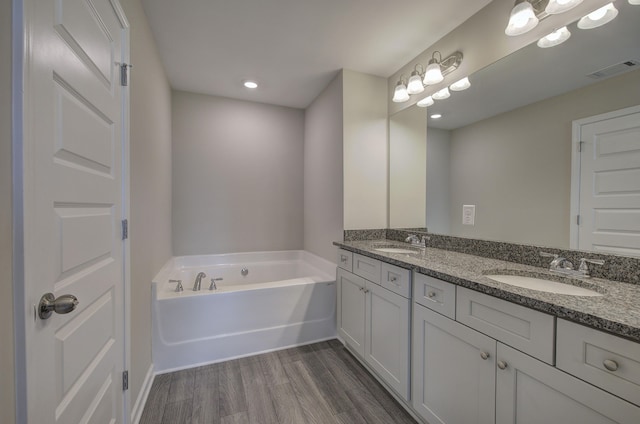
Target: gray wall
(438, 160)
(323, 217)
(150, 231)
(237, 175)
(516, 167)
(7, 412)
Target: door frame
(22, 312)
(576, 135)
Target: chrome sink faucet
(418, 242)
(198, 282)
(564, 266)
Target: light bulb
(460, 85)
(442, 94)
(250, 84)
(427, 101)
(560, 6)
(433, 74)
(400, 93)
(522, 19)
(558, 36)
(415, 84)
(436, 116)
(598, 17)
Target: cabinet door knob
(431, 294)
(361, 288)
(502, 365)
(366, 291)
(392, 279)
(484, 355)
(343, 259)
(611, 365)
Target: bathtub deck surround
(256, 302)
(317, 383)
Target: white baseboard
(138, 407)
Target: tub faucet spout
(198, 282)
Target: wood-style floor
(320, 383)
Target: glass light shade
(523, 19)
(442, 94)
(560, 6)
(598, 17)
(558, 36)
(460, 85)
(400, 94)
(415, 84)
(427, 101)
(634, 2)
(433, 74)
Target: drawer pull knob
(431, 294)
(393, 279)
(610, 365)
(343, 259)
(361, 288)
(502, 365)
(484, 355)
(366, 291)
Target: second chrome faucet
(198, 283)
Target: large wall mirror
(505, 144)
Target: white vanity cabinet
(465, 371)
(374, 321)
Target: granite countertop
(616, 312)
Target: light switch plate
(468, 214)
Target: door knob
(62, 305)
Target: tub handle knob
(179, 287)
(213, 283)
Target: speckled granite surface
(617, 311)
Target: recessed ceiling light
(436, 116)
(250, 84)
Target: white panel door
(453, 376)
(529, 391)
(73, 206)
(351, 309)
(386, 347)
(610, 185)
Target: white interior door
(610, 184)
(73, 203)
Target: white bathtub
(286, 299)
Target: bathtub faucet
(197, 284)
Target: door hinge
(125, 229)
(578, 219)
(124, 74)
(125, 380)
(580, 144)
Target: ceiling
(293, 48)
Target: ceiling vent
(618, 68)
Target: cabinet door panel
(529, 391)
(452, 383)
(351, 309)
(387, 330)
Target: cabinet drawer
(396, 279)
(602, 359)
(529, 331)
(366, 267)
(435, 294)
(345, 259)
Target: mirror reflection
(504, 146)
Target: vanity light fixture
(558, 36)
(522, 19)
(250, 84)
(442, 94)
(426, 102)
(436, 116)
(460, 85)
(414, 86)
(400, 94)
(598, 17)
(560, 6)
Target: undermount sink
(396, 250)
(543, 285)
